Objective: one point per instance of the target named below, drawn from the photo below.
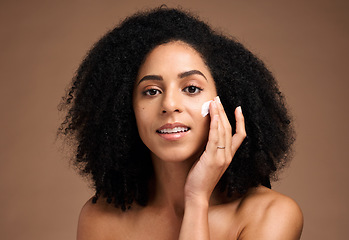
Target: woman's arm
(195, 221)
(205, 174)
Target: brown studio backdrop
(304, 43)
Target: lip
(172, 136)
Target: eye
(192, 89)
(151, 92)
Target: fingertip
(214, 104)
(239, 109)
(238, 112)
(240, 121)
(213, 108)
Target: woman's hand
(220, 149)
(206, 172)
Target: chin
(176, 155)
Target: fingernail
(218, 99)
(239, 109)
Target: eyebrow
(150, 77)
(181, 75)
(191, 72)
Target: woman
(161, 169)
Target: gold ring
(220, 147)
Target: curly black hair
(100, 117)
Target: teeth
(173, 130)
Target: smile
(173, 130)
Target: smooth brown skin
(261, 214)
(184, 203)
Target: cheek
(195, 107)
(194, 104)
(195, 110)
(141, 119)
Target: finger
(221, 150)
(213, 136)
(218, 142)
(221, 146)
(227, 128)
(240, 132)
(222, 114)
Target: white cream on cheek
(205, 108)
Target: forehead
(176, 56)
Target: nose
(171, 102)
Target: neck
(167, 189)
(169, 182)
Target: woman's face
(171, 86)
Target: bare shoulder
(267, 214)
(97, 219)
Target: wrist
(197, 202)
